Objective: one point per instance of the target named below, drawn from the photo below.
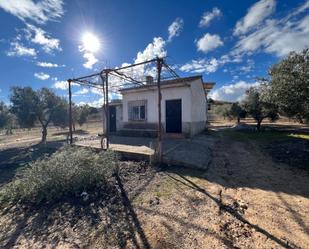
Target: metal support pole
(103, 106)
(159, 67)
(107, 108)
(70, 113)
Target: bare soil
(246, 199)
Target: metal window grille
(137, 110)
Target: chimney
(149, 79)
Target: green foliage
(6, 118)
(265, 136)
(60, 116)
(68, 172)
(80, 114)
(24, 105)
(84, 112)
(222, 110)
(237, 111)
(290, 85)
(258, 104)
(43, 106)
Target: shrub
(67, 172)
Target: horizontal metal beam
(136, 64)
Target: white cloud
(48, 64)
(18, 49)
(255, 16)
(209, 16)
(37, 11)
(63, 85)
(90, 60)
(201, 66)
(88, 49)
(248, 67)
(209, 42)
(39, 36)
(175, 28)
(81, 92)
(232, 92)
(278, 37)
(153, 49)
(42, 76)
(95, 103)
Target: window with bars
(137, 110)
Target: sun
(91, 42)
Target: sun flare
(91, 42)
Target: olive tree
(6, 118)
(83, 114)
(289, 81)
(259, 106)
(222, 110)
(42, 106)
(237, 111)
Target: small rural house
(183, 107)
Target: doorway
(173, 116)
(112, 119)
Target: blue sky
(228, 42)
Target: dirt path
(244, 200)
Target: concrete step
(138, 133)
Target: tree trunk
(73, 124)
(258, 125)
(238, 120)
(44, 134)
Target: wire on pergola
(125, 80)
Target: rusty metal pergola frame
(123, 76)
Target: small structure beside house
(183, 108)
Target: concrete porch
(194, 152)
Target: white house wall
(193, 105)
(151, 96)
(199, 107)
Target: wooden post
(107, 108)
(70, 113)
(159, 67)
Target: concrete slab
(194, 152)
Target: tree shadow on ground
(230, 209)
(13, 159)
(243, 163)
(106, 219)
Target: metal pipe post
(70, 113)
(159, 68)
(107, 108)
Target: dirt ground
(245, 199)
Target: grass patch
(68, 172)
(262, 135)
(302, 136)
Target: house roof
(208, 86)
(163, 83)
